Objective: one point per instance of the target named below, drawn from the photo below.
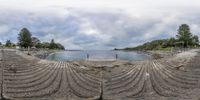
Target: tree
(39, 45)
(8, 43)
(45, 45)
(24, 38)
(172, 41)
(59, 46)
(35, 41)
(52, 44)
(0, 43)
(184, 35)
(195, 40)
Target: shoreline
(186, 57)
(42, 54)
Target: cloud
(3, 29)
(97, 24)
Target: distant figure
(116, 56)
(29, 50)
(88, 56)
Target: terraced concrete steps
(26, 77)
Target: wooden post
(28, 50)
(172, 49)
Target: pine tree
(8, 43)
(52, 45)
(184, 35)
(24, 38)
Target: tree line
(26, 40)
(8, 44)
(184, 39)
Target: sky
(98, 24)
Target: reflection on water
(97, 55)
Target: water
(97, 55)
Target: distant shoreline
(73, 50)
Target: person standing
(88, 56)
(116, 56)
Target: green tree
(24, 38)
(35, 41)
(172, 41)
(60, 46)
(45, 45)
(184, 35)
(52, 44)
(8, 43)
(39, 45)
(195, 40)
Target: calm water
(97, 55)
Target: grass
(165, 49)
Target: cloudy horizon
(98, 24)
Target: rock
(12, 68)
(156, 56)
(116, 66)
(180, 67)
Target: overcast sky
(98, 24)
